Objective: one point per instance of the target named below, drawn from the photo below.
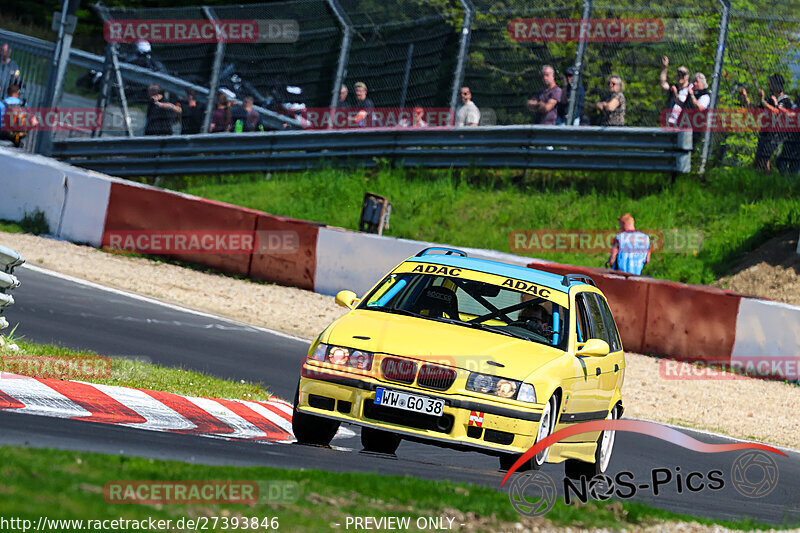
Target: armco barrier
(134, 207)
(291, 247)
(690, 322)
(9, 260)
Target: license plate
(408, 402)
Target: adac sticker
(475, 418)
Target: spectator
(468, 113)
(544, 105)
(9, 70)
(612, 109)
(363, 117)
(160, 115)
(245, 118)
(777, 102)
(677, 93)
(631, 248)
(14, 123)
(563, 103)
(343, 92)
(417, 120)
(191, 114)
(221, 116)
(699, 96)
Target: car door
(606, 368)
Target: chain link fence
(418, 53)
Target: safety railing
(552, 147)
(9, 259)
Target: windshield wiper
(477, 325)
(396, 311)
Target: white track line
(148, 299)
(159, 417)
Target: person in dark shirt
(221, 116)
(563, 104)
(363, 117)
(544, 105)
(191, 114)
(9, 70)
(160, 114)
(776, 102)
(245, 118)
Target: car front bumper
(350, 398)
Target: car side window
(611, 328)
(597, 328)
(581, 319)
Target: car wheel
(375, 440)
(575, 469)
(310, 429)
(546, 424)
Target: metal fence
(414, 52)
(567, 147)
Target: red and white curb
(269, 421)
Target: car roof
(539, 277)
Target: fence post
(105, 89)
(580, 55)
(58, 68)
(463, 49)
(719, 59)
(123, 100)
(344, 52)
(407, 75)
(213, 84)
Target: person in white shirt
(468, 114)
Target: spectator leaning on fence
(9, 70)
(544, 105)
(364, 104)
(160, 115)
(677, 93)
(468, 114)
(563, 103)
(776, 102)
(191, 114)
(631, 248)
(612, 109)
(699, 97)
(14, 120)
(221, 116)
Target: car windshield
(472, 304)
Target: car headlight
(486, 384)
(338, 355)
(526, 393)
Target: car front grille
(436, 377)
(400, 370)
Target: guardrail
(9, 259)
(554, 147)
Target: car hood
(447, 344)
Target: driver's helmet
(143, 47)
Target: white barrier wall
(73, 200)
(357, 261)
(28, 183)
(766, 329)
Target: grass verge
(38, 360)
(70, 485)
(735, 209)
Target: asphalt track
(50, 309)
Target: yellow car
(470, 354)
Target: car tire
(310, 429)
(376, 440)
(575, 469)
(546, 425)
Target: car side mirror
(347, 299)
(593, 347)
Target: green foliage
(35, 222)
